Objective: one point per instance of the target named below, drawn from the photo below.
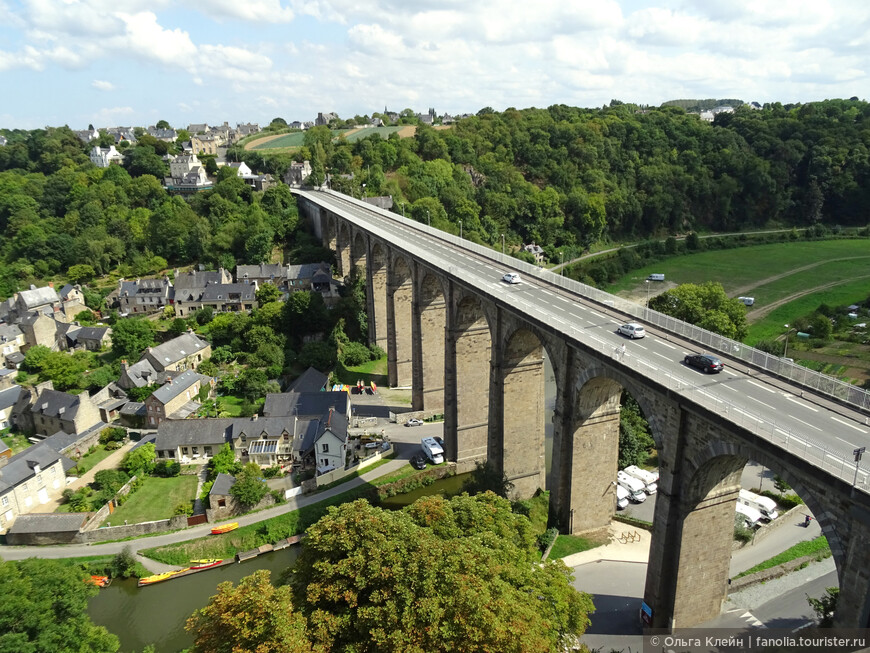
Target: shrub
(184, 508)
(167, 468)
(355, 353)
(272, 472)
(278, 495)
(742, 533)
(123, 565)
(547, 538)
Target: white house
(103, 157)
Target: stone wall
(98, 517)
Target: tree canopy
(705, 305)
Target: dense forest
(562, 177)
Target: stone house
(264, 272)
(230, 297)
(330, 442)
(297, 173)
(8, 399)
(536, 251)
(267, 441)
(29, 479)
(11, 341)
(205, 143)
(72, 300)
(186, 440)
(39, 329)
(179, 354)
(34, 299)
(144, 295)
(177, 398)
(315, 277)
(306, 404)
(88, 338)
(44, 410)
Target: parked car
(511, 277)
(632, 330)
(439, 441)
(414, 422)
(418, 461)
(707, 363)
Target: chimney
(254, 417)
(123, 366)
(169, 380)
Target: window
(53, 471)
(24, 487)
(325, 448)
(184, 451)
(207, 451)
(4, 501)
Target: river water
(156, 614)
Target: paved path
(111, 548)
(112, 461)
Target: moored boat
(99, 581)
(225, 528)
(205, 564)
(166, 575)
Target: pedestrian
(807, 520)
(622, 351)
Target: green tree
(251, 616)
(267, 293)
(80, 273)
(485, 477)
(45, 605)
(140, 460)
(86, 318)
(249, 488)
(705, 305)
(132, 336)
(487, 593)
(825, 607)
(123, 565)
(223, 462)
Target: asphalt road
(813, 428)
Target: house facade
(179, 354)
(103, 157)
(144, 296)
(177, 398)
(45, 411)
(29, 479)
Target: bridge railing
(810, 379)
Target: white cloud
(268, 11)
(113, 115)
(103, 85)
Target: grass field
(15, 441)
(89, 460)
(156, 499)
(383, 132)
(367, 372)
(296, 139)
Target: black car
(418, 461)
(439, 441)
(707, 363)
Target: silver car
(632, 330)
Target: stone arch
(343, 248)
(330, 231)
(522, 445)
(428, 393)
(376, 286)
(358, 251)
(473, 349)
(400, 296)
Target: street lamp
(785, 349)
(647, 293)
(560, 262)
(403, 209)
(364, 190)
(502, 243)
(428, 220)
(460, 229)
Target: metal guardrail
(837, 463)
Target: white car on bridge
(511, 277)
(632, 330)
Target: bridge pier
(853, 604)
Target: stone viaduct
(481, 363)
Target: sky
(135, 62)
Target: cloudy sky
(134, 62)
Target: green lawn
(569, 544)
(155, 499)
(90, 460)
(15, 441)
(367, 372)
(818, 546)
(231, 405)
(365, 132)
(742, 266)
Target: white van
(656, 277)
(433, 450)
(749, 301)
(621, 497)
(765, 505)
(750, 515)
(649, 479)
(635, 487)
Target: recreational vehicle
(635, 487)
(649, 479)
(765, 505)
(433, 450)
(750, 515)
(621, 497)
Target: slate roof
(272, 427)
(174, 350)
(15, 357)
(142, 373)
(62, 440)
(9, 332)
(49, 522)
(66, 290)
(200, 279)
(336, 423)
(182, 433)
(222, 484)
(53, 403)
(218, 292)
(306, 404)
(9, 396)
(3, 447)
(178, 385)
(305, 271)
(311, 380)
(134, 408)
(92, 333)
(20, 466)
(38, 297)
(262, 271)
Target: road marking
(851, 426)
(762, 403)
(800, 421)
(669, 346)
(851, 444)
(800, 403)
(728, 387)
(757, 385)
(667, 358)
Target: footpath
(136, 545)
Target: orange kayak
(226, 528)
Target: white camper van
(433, 450)
(649, 479)
(765, 505)
(635, 487)
(621, 497)
(750, 515)
(656, 276)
